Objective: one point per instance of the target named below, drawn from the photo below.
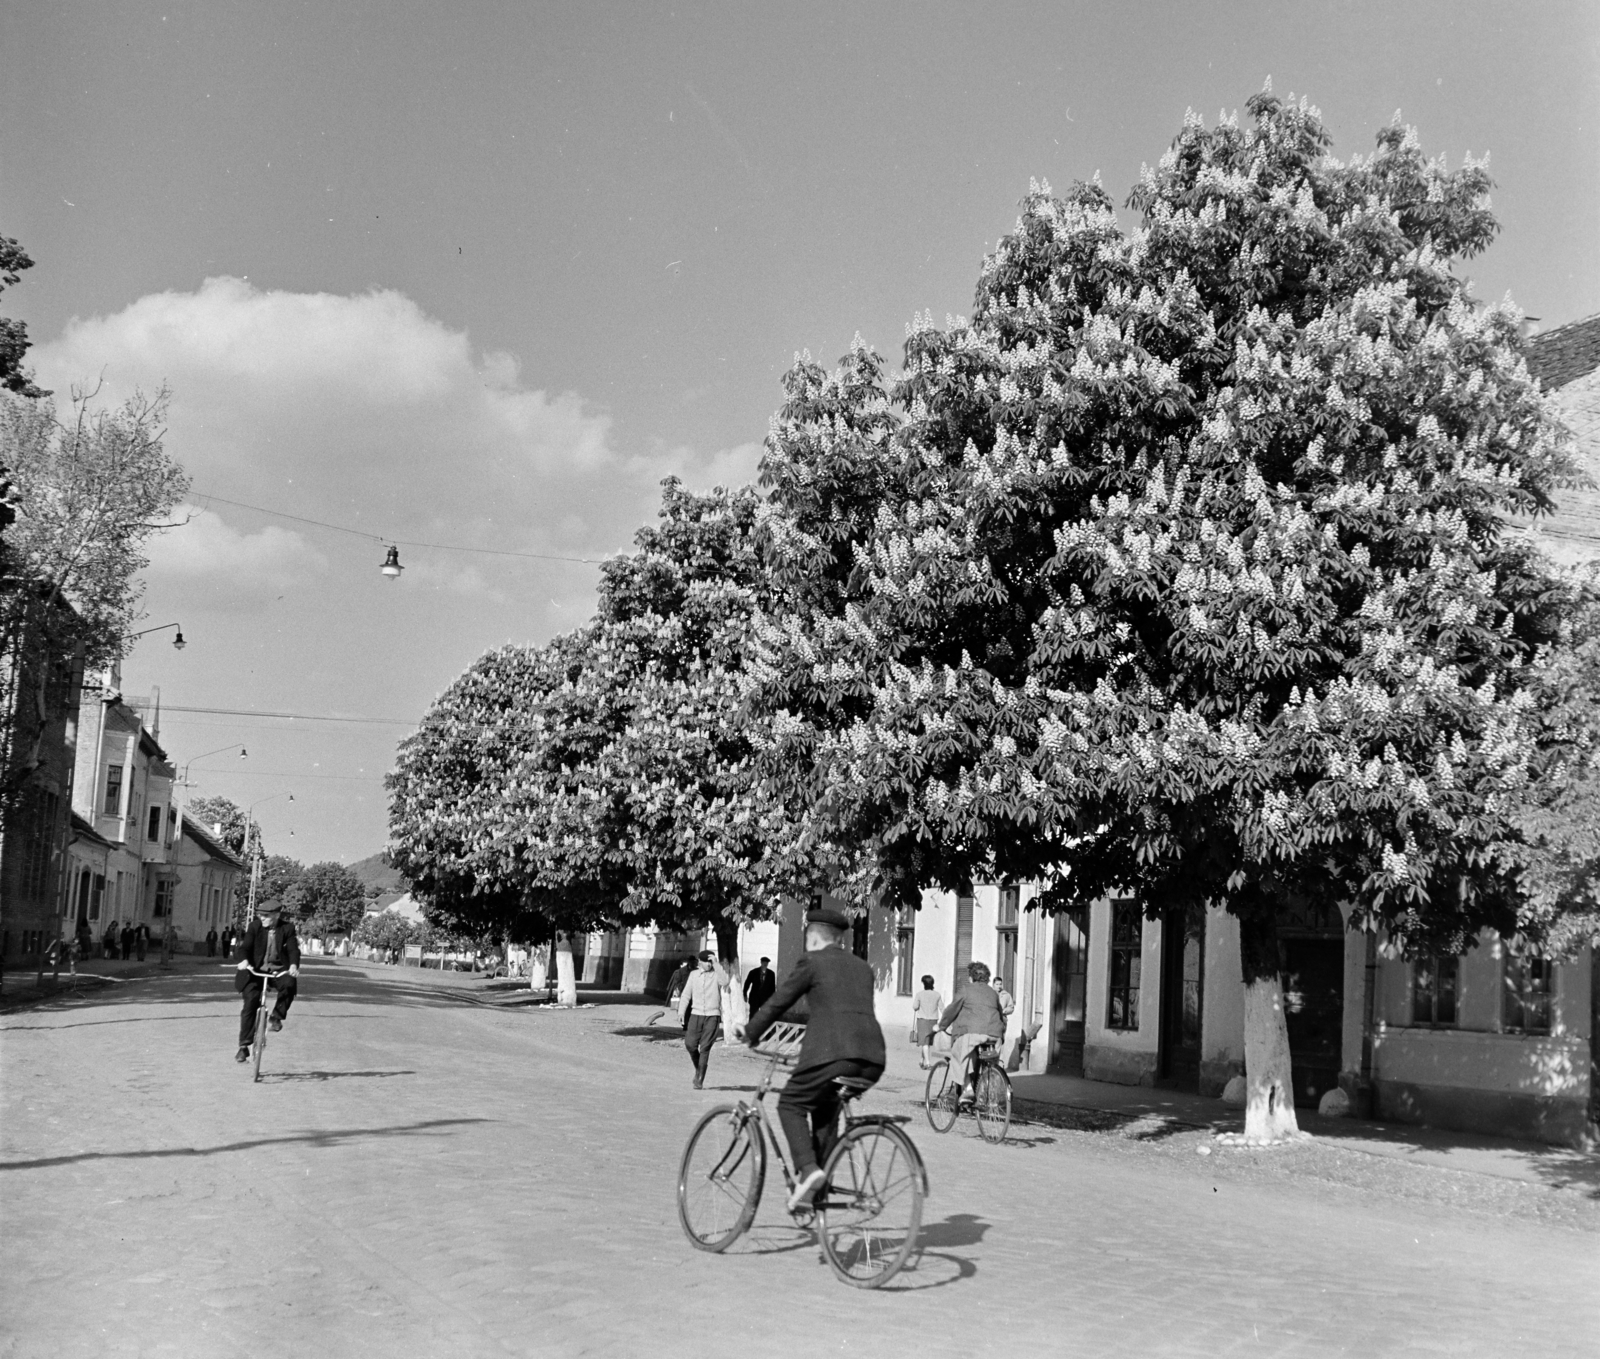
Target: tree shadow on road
(324, 1139)
(650, 1034)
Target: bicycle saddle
(851, 1086)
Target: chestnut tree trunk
(1269, 1106)
(566, 978)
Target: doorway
(1182, 995)
(1311, 950)
(1069, 986)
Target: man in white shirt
(700, 1009)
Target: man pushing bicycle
(269, 945)
(842, 1039)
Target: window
(1433, 990)
(39, 819)
(113, 806)
(163, 896)
(963, 939)
(1127, 938)
(154, 832)
(905, 938)
(85, 886)
(172, 824)
(1529, 982)
(1005, 967)
(97, 896)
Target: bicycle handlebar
(252, 971)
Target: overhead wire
(398, 542)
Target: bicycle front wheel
(994, 1104)
(870, 1209)
(260, 1045)
(720, 1178)
(940, 1098)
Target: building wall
(1222, 1004)
(1123, 1056)
(1475, 1075)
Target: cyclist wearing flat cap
(842, 1039)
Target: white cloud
(209, 552)
(364, 411)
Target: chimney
(155, 699)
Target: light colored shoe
(806, 1190)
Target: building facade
(40, 687)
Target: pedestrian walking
(125, 941)
(680, 979)
(141, 939)
(925, 1015)
(108, 941)
(211, 942)
(700, 1009)
(759, 985)
(85, 940)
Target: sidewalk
(1143, 1112)
(21, 985)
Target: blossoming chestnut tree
(1181, 567)
(605, 778)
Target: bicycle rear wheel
(994, 1103)
(940, 1098)
(719, 1180)
(870, 1209)
(260, 1045)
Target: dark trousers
(698, 1036)
(283, 984)
(808, 1109)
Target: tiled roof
(1558, 356)
(206, 838)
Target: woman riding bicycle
(973, 1018)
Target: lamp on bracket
(391, 564)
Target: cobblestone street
(426, 1173)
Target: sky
(480, 275)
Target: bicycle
(991, 1103)
(263, 1011)
(866, 1214)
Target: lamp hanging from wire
(391, 564)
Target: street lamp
(178, 643)
(255, 861)
(243, 753)
(391, 564)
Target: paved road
(428, 1175)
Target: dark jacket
(759, 986)
(838, 988)
(253, 949)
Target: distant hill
(378, 878)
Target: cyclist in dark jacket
(269, 944)
(842, 1039)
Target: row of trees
(1182, 567)
(325, 898)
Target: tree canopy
(605, 777)
(1196, 574)
(1190, 575)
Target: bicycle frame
(260, 1043)
(755, 1112)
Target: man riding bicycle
(269, 945)
(975, 1017)
(842, 1039)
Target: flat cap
(826, 915)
